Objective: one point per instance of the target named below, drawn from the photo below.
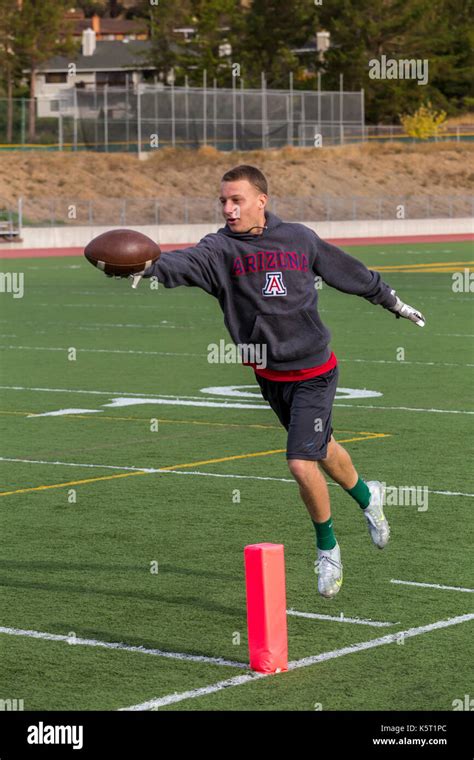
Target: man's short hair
(250, 173)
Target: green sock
(360, 493)
(325, 538)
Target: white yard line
(303, 663)
(264, 405)
(192, 472)
(433, 585)
(408, 409)
(401, 363)
(104, 351)
(78, 641)
(261, 405)
(182, 353)
(341, 619)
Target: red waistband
(290, 375)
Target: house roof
(108, 56)
(111, 26)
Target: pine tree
(40, 33)
(272, 28)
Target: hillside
(373, 170)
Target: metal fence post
(204, 105)
(214, 112)
(341, 101)
(106, 118)
(127, 109)
(186, 107)
(290, 115)
(156, 113)
(262, 86)
(242, 110)
(139, 119)
(23, 120)
(234, 114)
(319, 105)
(362, 113)
(75, 118)
(173, 114)
(20, 216)
(60, 126)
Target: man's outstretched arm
(349, 275)
(190, 267)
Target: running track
(34, 253)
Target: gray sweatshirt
(265, 285)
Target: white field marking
(391, 638)
(340, 619)
(61, 412)
(152, 470)
(182, 353)
(393, 361)
(102, 351)
(76, 464)
(434, 585)
(77, 641)
(264, 405)
(342, 394)
(409, 409)
(120, 403)
(454, 335)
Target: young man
(262, 271)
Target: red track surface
(42, 253)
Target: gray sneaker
(377, 524)
(328, 567)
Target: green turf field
(81, 528)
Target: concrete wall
(69, 237)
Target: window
(55, 77)
(112, 78)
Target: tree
(168, 50)
(40, 33)
(9, 68)
(218, 23)
(272, 28)
(433, 30)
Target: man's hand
(408, 312)
(134, 278)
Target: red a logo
(274, 285)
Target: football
(122, 252)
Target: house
(101, 63)
(107, 29)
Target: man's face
(243, 205)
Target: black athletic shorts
(304, 408)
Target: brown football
(122, 252)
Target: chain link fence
(149, 117)
(139, 211)
(140, 120)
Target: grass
(77, 559)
